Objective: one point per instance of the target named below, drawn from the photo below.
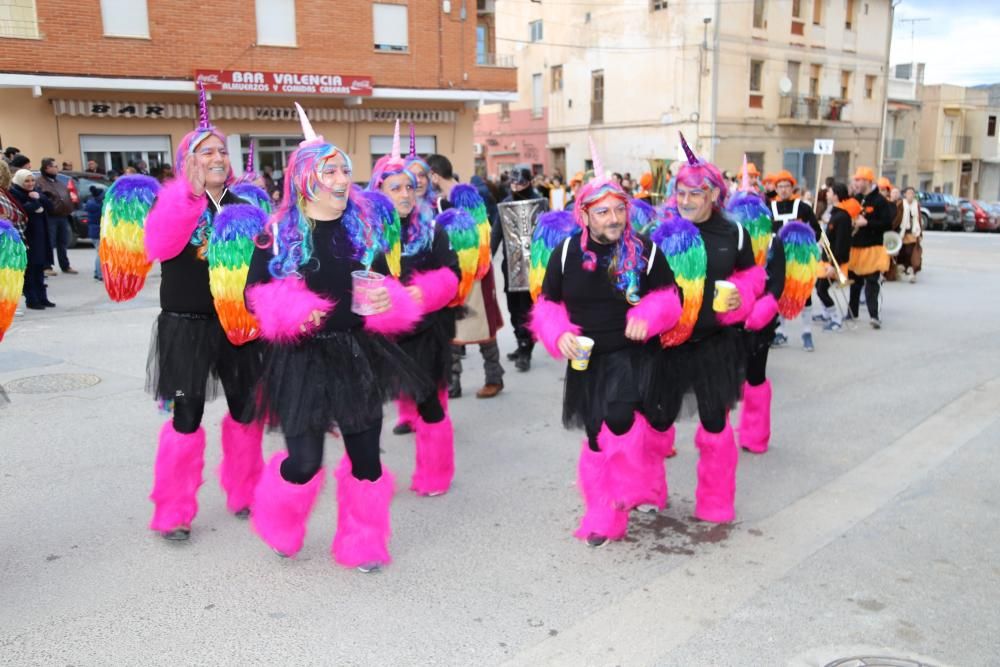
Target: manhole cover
(51, 384)
(876, 661)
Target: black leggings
(757, 366)
(619, 419)
(188, 410)
(871, 286)
(431, 410)
(519, 305)
(305, 455)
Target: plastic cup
(586, 346)
(362, 282)
(723, 289)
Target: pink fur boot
(242, 461)
(363, 521)
(435, 466)
(716, 491)
(755, 417)
(281, 509)
(180, 459)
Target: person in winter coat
(93, 208)
(36, 238)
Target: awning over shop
(165, 110)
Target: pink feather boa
(660, 309)
(750, 284)
(438, 288)
(763, 312)
(172, 220)
(283, 306)
(404, 314)
(549, 321)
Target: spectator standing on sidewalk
(62, 208)
(36, 238)
(93, 207)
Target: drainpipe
(885, 87)
(715, 79)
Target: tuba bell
(892, 242)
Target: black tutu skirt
(189, 355)
(613, 377)
(430, 348)
(705, 375)
(336, 379)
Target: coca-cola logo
(209, 78)
(364, 84)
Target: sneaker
(779, 340)
(833, 326)
(807, 342)
(243, 513)
(177, 534)
(596, 541)
(850, 318)
(368, 568)
(876, 323)
(821, 317)
(913, 278)
(402, 428)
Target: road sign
(823, 147)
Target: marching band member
(868, 256)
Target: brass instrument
(824, 243)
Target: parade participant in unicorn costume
(789, 255)
(430, 268)
(328, 361)
(713, 264)
(201, 233)
(605, 292)
(13, 261)
(251, 185)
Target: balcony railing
(495, 60)
(805, 107)
(895, 149)
(957, 145)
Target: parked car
(994, 211)
(937, 211)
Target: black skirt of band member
(336, 379)
(430, 347)
(189, 354)
(706, 374)
(612, 377)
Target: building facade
(765, 77)
(901, 149)
(114, 80)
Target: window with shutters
(390, 27)
(597, 96)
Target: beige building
(766, 77)
(901, 150)
(958, 142)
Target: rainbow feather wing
(642, 215)
(801, 262)
(682, 245)
(553, 228)
(389, 229)
(13, 260)
(229, 251)
(749, 210)
(467, 197)
(251, 194)
(464, 238)
(122, 247)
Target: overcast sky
(959, 43)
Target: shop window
(125, 18)
(276, 23)
(18, 19)
(390, 27)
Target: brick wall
(333, 37)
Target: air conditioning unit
(477, 149)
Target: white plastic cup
(362, 283)
(582, 360)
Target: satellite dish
(785, 86)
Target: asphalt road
(870, 528)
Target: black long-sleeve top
(725, 257)
(439, 256)
(594, 303)
(838, 231)
(879, 213)
(775, 268)
(184, 279)
(328, 273)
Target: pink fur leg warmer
(180, 458)
(363, 520)
(435, 466)
(281, 509)
(603, 515)
(716, 491)
(754, 430)
(242, 461)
